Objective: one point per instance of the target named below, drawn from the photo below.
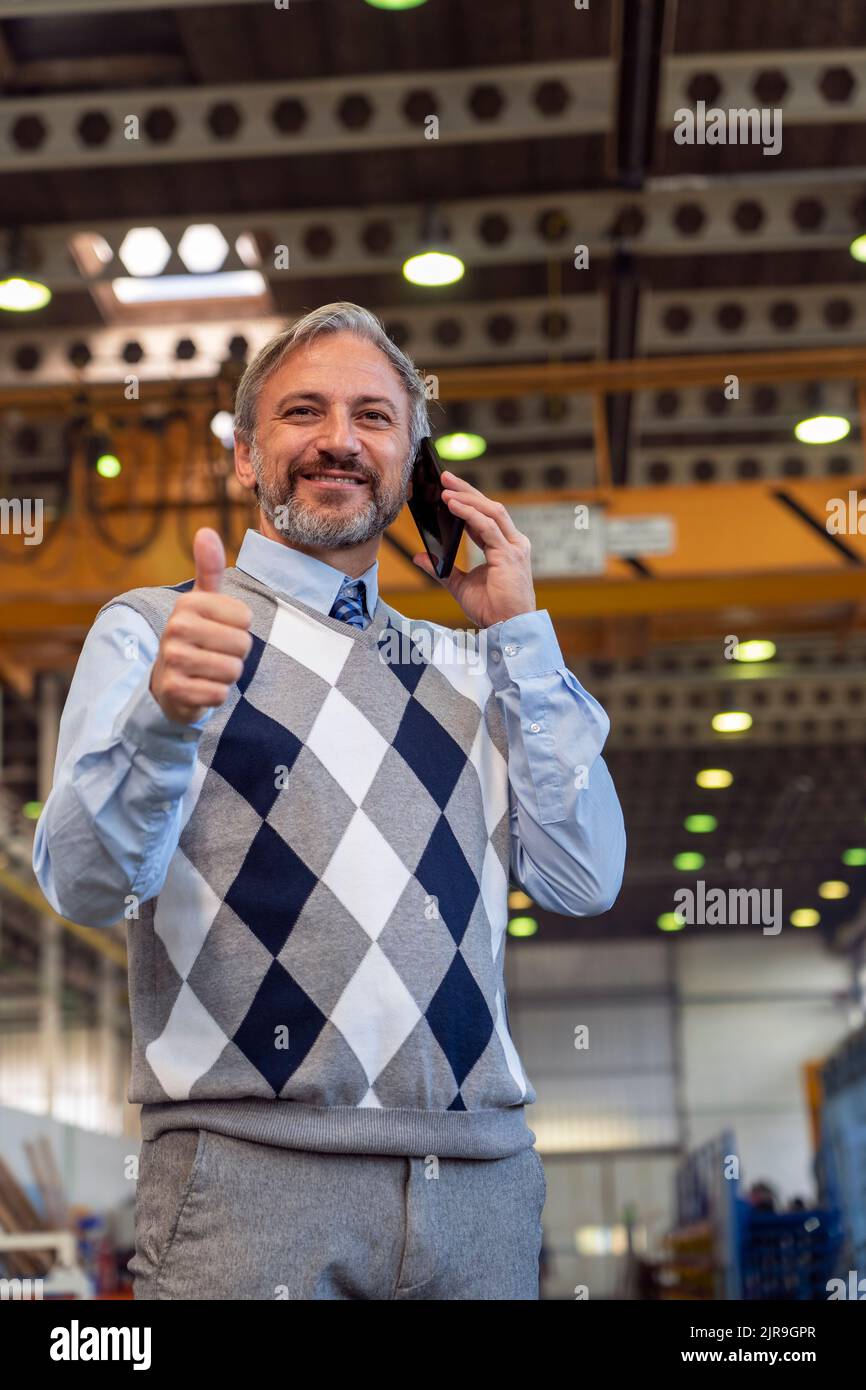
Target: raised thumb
(210, 560)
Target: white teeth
(332, 478)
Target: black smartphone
(440, 529)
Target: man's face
(331, 453)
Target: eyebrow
(318, 399)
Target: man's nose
(337, 436)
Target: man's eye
(298, 410)
(378, 414)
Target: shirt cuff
(522, 648)
(143, 723)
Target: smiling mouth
(334, 478)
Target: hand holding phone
(440, 529)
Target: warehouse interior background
(655, 357)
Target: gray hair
(341, 317)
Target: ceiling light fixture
(833, 888)
(714, 777)
(145, 251)
(700, 824)
(754, 650)
(456, 448)
(732, 721)
(19, 293)
(228, 284)
(822, 429)
(203, 248)
(434, 264)
(522, 926)
(688, 860)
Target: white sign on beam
(575, 538)
(640, 535)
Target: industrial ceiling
(306, 126)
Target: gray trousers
(221, 1218)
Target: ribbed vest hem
(348, 1128)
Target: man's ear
(246, 473)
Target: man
(307, 810)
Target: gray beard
(302, 524)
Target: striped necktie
(350, 605)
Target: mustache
(367, 474)
(352, 466)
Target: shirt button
(512, 649)
(497, 656)
(535, 728)
(166, 806)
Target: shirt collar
(298, 575)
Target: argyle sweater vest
(323, 965)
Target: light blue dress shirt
(112, 821)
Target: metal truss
(491, 231)
(37, 443)
(810, 697)
(770, 408)
(513, 330)
(33, 9)
(439, 336)
(810, 87)
(731, 462)
(695, 320)
(248, 120)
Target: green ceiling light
(522, 926)
(714, 777)
(433, 268)
(458, 448)
(32, 809)
(805, 917)
(21, 296)
(396, 4)
(108, 465)
(858, 248)
(833, 889)
(732, 721)
(854, 858)
(670, 921)
(754, 651)
(435, 262)
(700, 824)
(689, 860)
(822, 429)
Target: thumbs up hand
(205, 641)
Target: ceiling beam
(7, 63)
(668, 221)
(831, 318)
(572, 597)
(35, 9)
(128, 69)
(575, 320)
(577, 597)
(750, 316)
(804, 94)
(491, 382)
(261, 119)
